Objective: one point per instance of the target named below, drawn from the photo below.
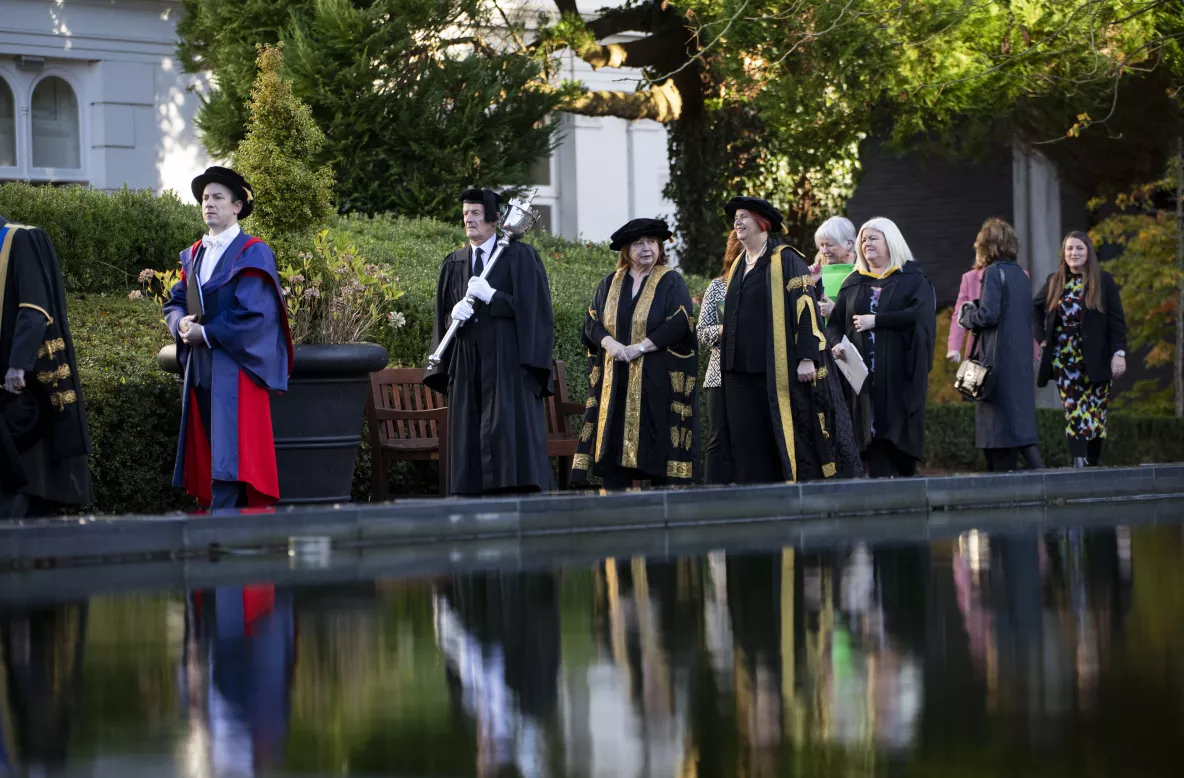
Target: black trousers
(623, 477)
(884, 460)
(718, 459)
(1088, 449)
(1002, 460)
(755, 458)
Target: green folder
(832, 278)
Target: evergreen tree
(293, 193)
(414, 102)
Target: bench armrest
(570, 409)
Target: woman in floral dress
(1078, 318)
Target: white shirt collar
(486, 247)
(224, 238)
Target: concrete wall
(136, 107)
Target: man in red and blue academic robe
(234, 345)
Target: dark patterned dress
(1085, 402)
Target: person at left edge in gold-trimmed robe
(641, 418)
(41, 401)
(784, 410)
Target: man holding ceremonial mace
(497, 369)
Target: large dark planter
(318, 421)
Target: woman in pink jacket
(969, 291)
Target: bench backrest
(402, 389)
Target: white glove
(954, 356)
(14, 380)
(480, 288)
(462, 311)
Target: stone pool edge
(419, 522)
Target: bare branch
(662, 103)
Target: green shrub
(104, 239)
(133, 408)
(1131, 440)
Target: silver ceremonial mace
(518, 219)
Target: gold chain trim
(581, 462)
(678, 469)
(594, 379)
(53, 376)
(591, 403)
(800, 282)
(586, 432)
(60, 400)
(50, 347)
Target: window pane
(55, 125)
(540, 171)
(7, 126)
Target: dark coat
(1007, 418)
(1103, 332)
(497, 374)
(906, 329)
(35, 337)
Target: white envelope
(851, 365)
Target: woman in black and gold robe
(641, 421)
(784, 410)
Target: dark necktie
(193, 287)
(478, 263)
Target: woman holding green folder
(835, 239)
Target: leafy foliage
(104, 239)
(783, 94)
(415, 103)
(1147, 274)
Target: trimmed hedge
(133, 408)
(104, 239)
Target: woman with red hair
(784, 414)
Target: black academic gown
(893, 397)
(35, 337)
(810, 424)
(497, 374)
(641, 416)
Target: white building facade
(91, 92)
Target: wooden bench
(409, 422)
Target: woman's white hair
(898, 250)
(836, 229)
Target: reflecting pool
(981, 655)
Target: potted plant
(335, 299)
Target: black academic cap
(232, 181)
(640, 228)
(488, 198)
(758, 206)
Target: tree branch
(567, 7)
(618, 20)
(661, 49)
(662, 103)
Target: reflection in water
(40, 680)
(1014, 655)
(237, 672)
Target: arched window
(7, 126)
(56, 138)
